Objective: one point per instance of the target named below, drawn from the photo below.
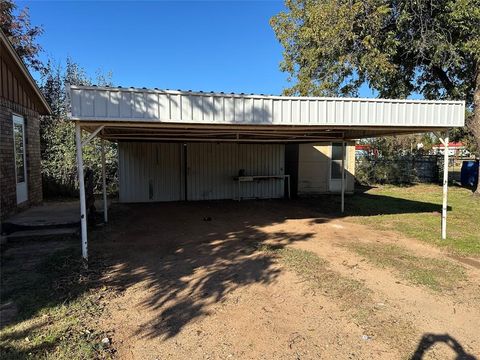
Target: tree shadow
(188, 256)
(195, 256)
(365, 204)
(429, 340)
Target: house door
(336, 167)
(20, 158)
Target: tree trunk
(475, 121)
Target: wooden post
(81, 184)
(445, 186)
(104, 184)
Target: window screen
(336, 168)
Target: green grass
(58, 305)
(415, 211)
(436, 274)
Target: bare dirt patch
(273, 280)
(435, 273)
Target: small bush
(385, 171)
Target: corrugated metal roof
(92, 103)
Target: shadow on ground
(190, 255)
(429, 340)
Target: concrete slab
(50, 214)
(42, 234)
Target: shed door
(20, 158)
(150, 171)
(211, 169)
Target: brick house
(21, 104)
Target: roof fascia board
(26, 73)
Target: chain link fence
(406, 169)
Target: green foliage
(385, 171)
(332, 47)
(398, 48)
(56, 133)
(392, 159)
(58, 136)
(17, 27)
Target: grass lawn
(55, 305)
(415, 211)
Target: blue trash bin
(469, 173)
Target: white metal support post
(81, 183)
(343, 176)
(104, 184)
(445, 185)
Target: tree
(58, 134)
(21, 33)
(397, 47)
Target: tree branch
(444, 79)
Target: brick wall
(8, 197)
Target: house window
(20, 160)
(336, 163)
(19, 140)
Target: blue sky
(210, 46)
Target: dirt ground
(195, 281)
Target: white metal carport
(132, 114)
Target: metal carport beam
(92, 135)
(445, 142)
(81, 183)
(343, 177)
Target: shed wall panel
(150, 172)
(314, 161)
(154, 171)
(211, 168)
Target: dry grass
(351, 296)
(436, 274)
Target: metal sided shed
(183, 145)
